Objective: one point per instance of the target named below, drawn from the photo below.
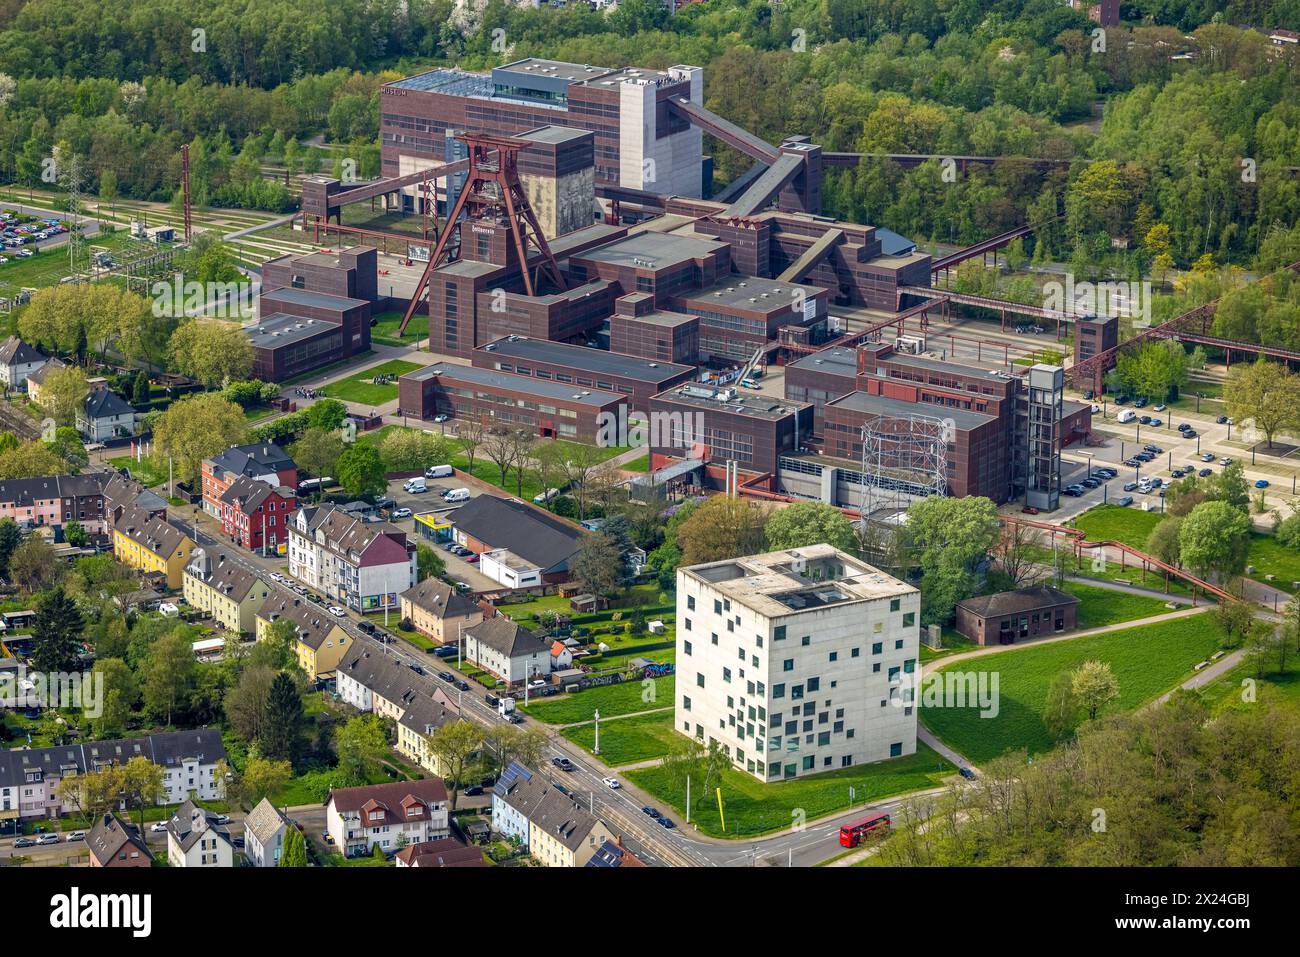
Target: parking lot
(431, 501)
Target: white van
(543, 497)
(1128, 415)
(457, 495)
(439, 471)
(415, 486)
(1144, 484)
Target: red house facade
(256, 516)
(266, 463)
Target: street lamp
(596, 748)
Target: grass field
(1104, 606)
(1267, 555)
(144, 471)
(1146, 661)
(641, 464)
(1228, 691)
(752, 807)
(627, 740)
(359, 387)
(384, 331)
(612, 700)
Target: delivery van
(457, 495)
(439, 471)
(415, 486)
(1128, 415)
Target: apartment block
(794, 662)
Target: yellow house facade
(319, 641)
(231, 594)
(438, 611)
(152, 545)
(562, 834)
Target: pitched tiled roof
(155, 534)
(313, 622)
(103, 404)
(444, 852)
(190, 823)
(247, 494)
(439, 599)
(217, 569)
(510, 638)
(533, 535)
(346, 535)
(253, 459)
(13, 351)
(110, 835)
(560, 816)
(168, 749)
(40, 375)
(1016, 602)
(264, 820)
(389, 797)
(19, 493)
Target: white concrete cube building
(797, 662)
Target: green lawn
(384, 331)
(641, 464)
(627, 740)
(626, 698)
(1104, 606)
(361, 389)
(1131, 526)
(1226, 692)
(145, 471)
(1146, 661)
(1118, 523)
(752, 807)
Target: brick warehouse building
(638, 329)
(314, 310)
(571, 365)
(549, 409)
(637, 140)
(720, 425)
(985, 459)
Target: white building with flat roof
(795, 661)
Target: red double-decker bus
(852, 834)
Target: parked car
(1144, 419)
(1207, 457)
(1158, 408)
(1261, 483)
(1140, 402)
(564, 764)
(1222, 420)
(445, 651)
(447, 676)
(462, 684)
(1074, 491)
(967, 773)
(223, 819)
(1205, 473)
(400, 513)
(48, 839)
(1153, 449)
(1130, 486)
(666, 823)
(1190, 434)
(473, 790)
(75, 836)
(336, 611)
(1121, 399)
(416, 667)
(366, 626)
(157, 827)
(24, 842)
(1090, 483)
(651, 811)
(1184, 426)
(1029, 510)
(1124, 501)
(1157, 422)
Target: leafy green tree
(361, 471)
(294, 853)
(948, 538)
(453, 748)
(598, 566)
(210, 351)
(810, 523)
(1061, 713)
(1265, 393)
(362, 747)
(721, 528)
(56, 633)
(168, 670)
(246, 704)
(1094, 686)
(195, 428)
(261, 778)
(429, 563)
(120, 697)
(317, 452)
(328, 414)
(284, 719)
(1214, 539)
(34, 566)
(11, 537)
